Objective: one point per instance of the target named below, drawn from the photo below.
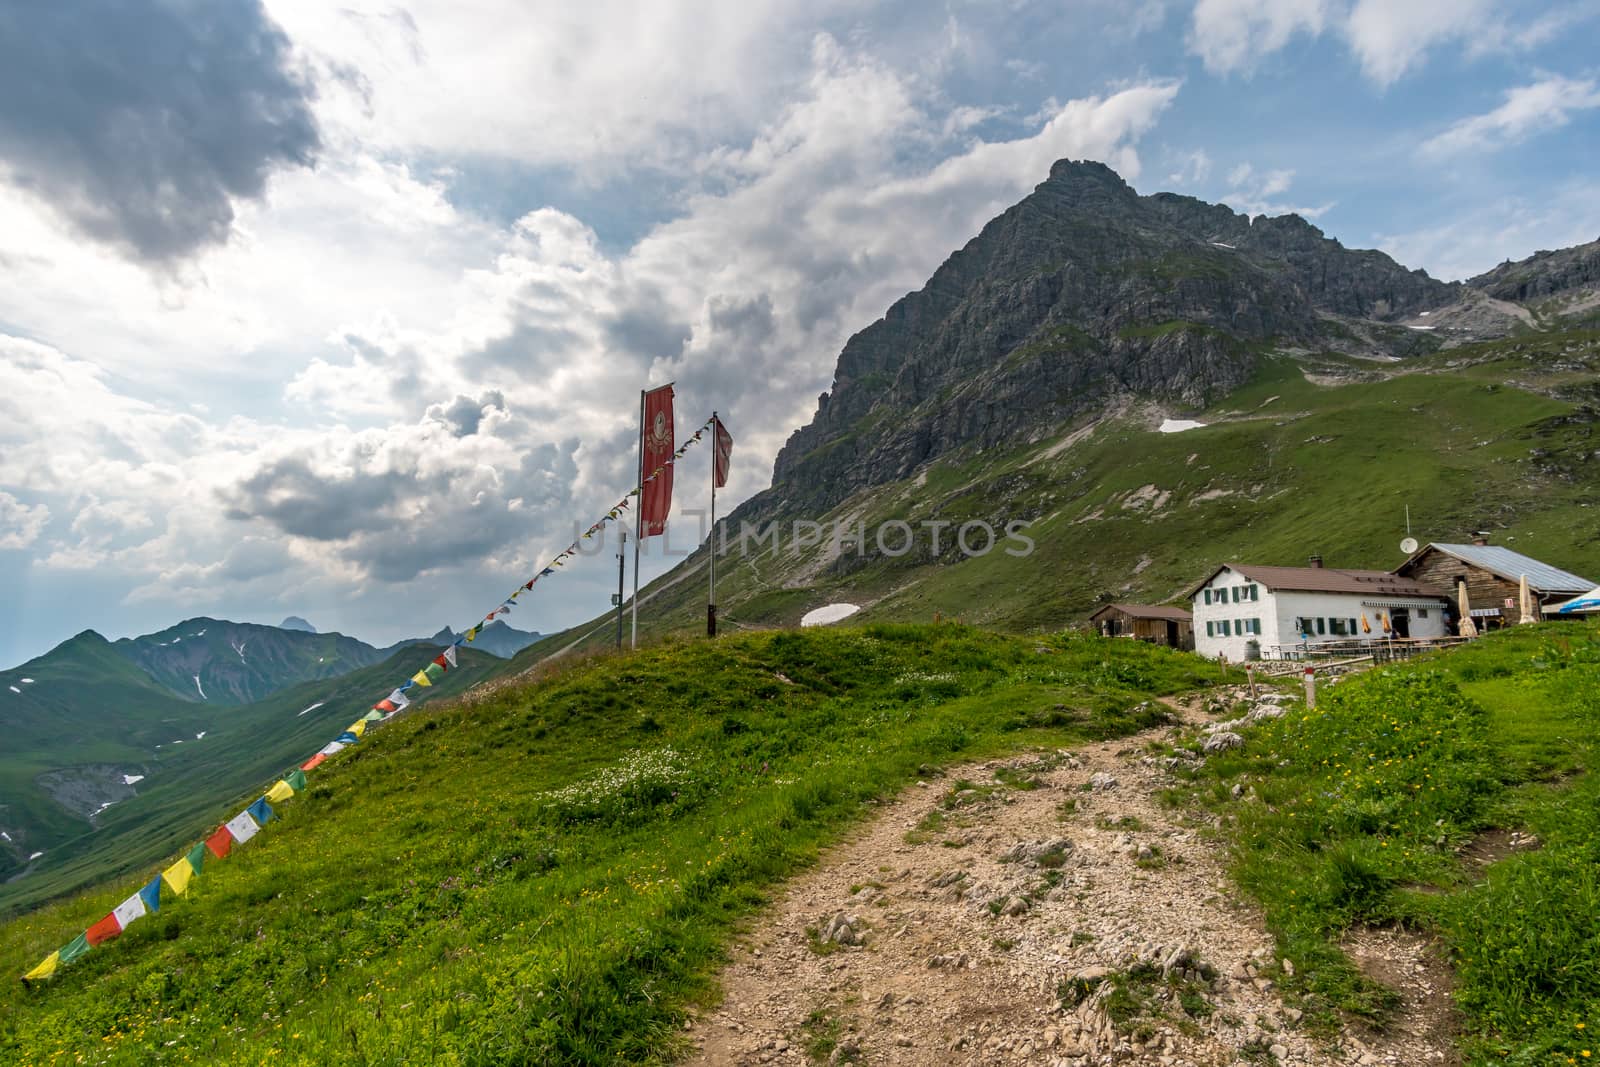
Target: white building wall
(1234, 646)
(1277, 613)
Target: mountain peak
(295, 622)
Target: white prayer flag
(242, 827)
(129, 910)
(450, 655)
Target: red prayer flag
(721, 452)
(656, 440)
(440, 661)
(220, 843)
(384, 705)
(103, 931)
(311, 763)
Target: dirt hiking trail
(1057, 915)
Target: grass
(550, 874)
(1364, 811)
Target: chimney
(1316, 561)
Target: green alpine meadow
(550, 873)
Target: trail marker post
(1311, 688)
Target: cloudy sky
(341, 310)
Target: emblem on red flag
(657, 441)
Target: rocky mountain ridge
(1086, 295)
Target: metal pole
(622, 569)
(638, 524)
(711, 600)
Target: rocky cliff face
(1083, 293)
(1544, 275)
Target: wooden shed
(1493, 576)
(1173, 627)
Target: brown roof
(1148, 611)
(1328, 580)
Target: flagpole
(638, 525)
(711, 601)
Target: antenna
(1408, 522)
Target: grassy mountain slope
(547, 874)
(188, 783)
(221, 662)
(1317, 454)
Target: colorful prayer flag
(220, 843)
(197, 857)
(75, 949)
(399, 700)
(129, 910)
(344, 740)
(359, 727)
(178, 875)
(312, 763)
(102, 931)
(440, 662)
(421, 678)
(152, 895)
(429, 671)
(261, 811)
(296, 780)
(450, 655)
(375, 715)
(45, 968)
(242, 827)
(280, 792)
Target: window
(1322, 625)
(1337, 627)
(1236, 591)
(1211, 629)
(1302, 625)
(1422, 613)
(1252, 593)
(1207, 594)
(1222, 628)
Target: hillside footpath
(1044, 909)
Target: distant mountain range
(193, 713)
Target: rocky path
(1046, 909)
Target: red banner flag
(103, 931)
(721, 452)
(656, 442)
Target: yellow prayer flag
(280, 792)
(358, 727)
(45, 969)
(177, 876)
(421, 678)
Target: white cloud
(1192, 168)
(1391, 38)
(1252, 192)
(1388, 38)
(1511, 228)
(20, 523)
(1231, 35)
(1545, 105)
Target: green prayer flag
(197, 857)
(77, 948)
(297, 780)
(434, 670)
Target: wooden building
(1493, 576)
(1172, 627)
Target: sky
(342, 310)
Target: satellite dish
(1409, 545)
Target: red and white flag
(656, 442)
(721, 452)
